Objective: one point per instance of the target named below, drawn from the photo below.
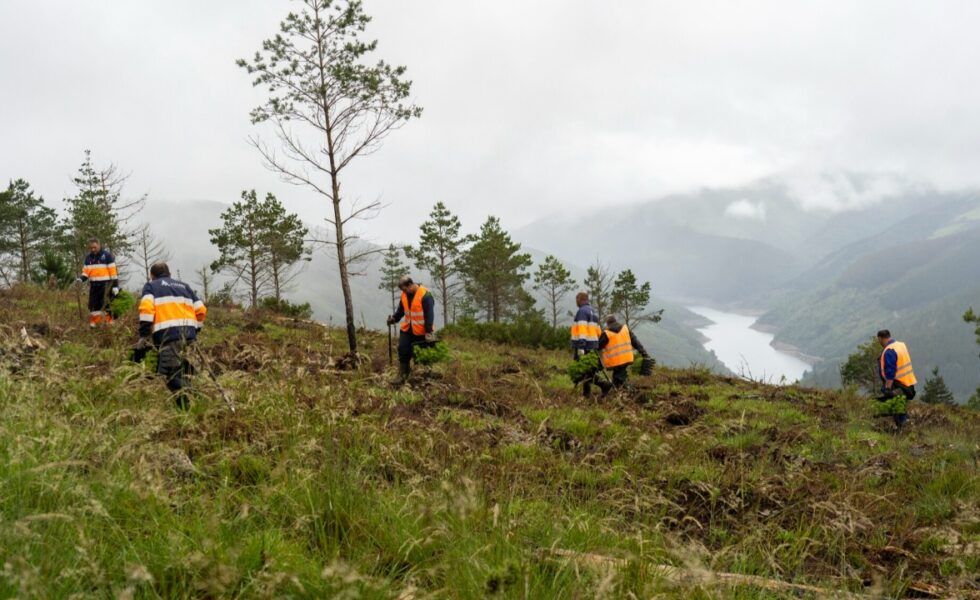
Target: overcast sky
(531, 107)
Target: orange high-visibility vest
(414, 314)
(903, 368)
(619, 350)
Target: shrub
(896, 405)
(287, 308)
(123, 304)
(532, 332)
(584, 367)
(428, 355)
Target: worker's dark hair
(885, 334)
(611, 320)
(93, 240)
(405, 281)
(581, 298)
(159, 270)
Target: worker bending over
(616, 346)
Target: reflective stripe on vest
(903, 367)
(100, 272)
(619, 350)
(414, 314)
(586, 330)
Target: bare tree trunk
(445, 290)
(275, 281)
(24, 250)
(554, 309)
(344, 274)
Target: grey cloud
(531, 107)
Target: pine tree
(204, 282)
(147, 250)
(494, 271)
(630, 299)
(936, 392)
(974, 401)
(554, 281)
(440, 252)
(392, 269)
(323, 86)
(972, 317)
(28, 229)
(259, 244)
(99, 211)
(861, 367)
(239, 241)
(284, 237)
(598, 283)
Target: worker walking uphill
(417, 308)
(585, 337)
(616, 346)
(99, 270)
(170, 316)
(895, 369)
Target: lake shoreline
(744, 348)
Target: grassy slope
(459, 486)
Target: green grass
(330, 483)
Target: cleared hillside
(488, 476)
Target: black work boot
(404, 370)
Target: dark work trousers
(172, 364)
(98, 302)
(909, 392)
(406, 348)
(620, 375)
(589, 378)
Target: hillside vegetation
(487, 476)
(916, 279)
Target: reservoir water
(745, 351)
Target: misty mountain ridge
(735, 246)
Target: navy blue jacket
(586, 329)
(170, 311)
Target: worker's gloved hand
(391, 320)
(430, 336)
(81, 279)
(115, 291)
(144, 343)
(580, 352)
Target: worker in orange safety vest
(616, 346)
(895, 369)
(416, 311)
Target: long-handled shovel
(390, 358)
(78, 300)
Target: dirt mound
(683, 412)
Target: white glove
(81, 279)
(115, 291)
(430, 337)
